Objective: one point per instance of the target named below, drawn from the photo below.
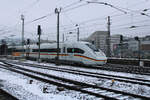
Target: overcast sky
(90, 17)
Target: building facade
(127, 48)
(99, 39)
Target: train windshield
(92, 47)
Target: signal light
(136, 38)
(121, 37)
(39, 30)
(28, 41)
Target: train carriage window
(19, 50)
(28, 50)
(35, 50)
(69, 50)
(75, 50)
(54, 50)
(10, 50)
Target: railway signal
(121, 45)
(28, 47)
(139, 50)
(28, 41)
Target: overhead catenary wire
(137, 11)
(72, 4)
(131, 23)
(39, 18)
(70, 9)
(69, 25)
(49, 14)
(30, 6)
(95, 19)
(71, 28)
(127, 28)
(11, 30)
(117, 15)
(104, 3)
(71, 21)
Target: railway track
(91, 89)
(91, 74)
(6, 96)
(126, 68)
(121, 68)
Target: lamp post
(58, 14)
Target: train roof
(44, 45)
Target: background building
(99, 38)
(128, 48)
(114, 43)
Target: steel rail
(91, 74)
(79, 83)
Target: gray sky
(90, 17)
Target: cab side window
(75, 50)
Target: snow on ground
(95, 71)
(127, 87)
(18, 85)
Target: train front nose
(101, 58)
(101, 61)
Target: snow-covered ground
(18, 85)
(95, 71)
(128, 87)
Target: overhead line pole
(22, 18)
(58, 14)
(78, 32)
(108, 38)
(63, 38)
(39, 41)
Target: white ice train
(69, 52)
